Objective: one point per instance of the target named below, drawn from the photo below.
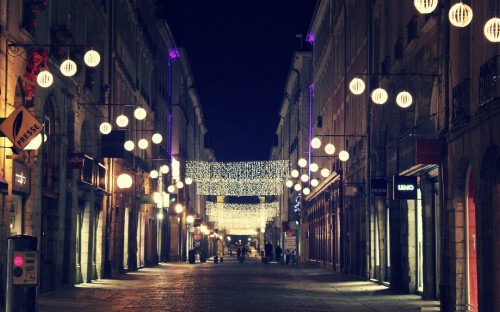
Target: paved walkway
(231, 286)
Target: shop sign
(429, 151)
(21, 177)
(75, 160)
(379, 187)
(21, 127)
(404, 187)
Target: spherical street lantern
(344, 156)
(357, 86)
(92, 58)
(460, 15)
(304, 178)
(426, 6)
(313, 167)
(190, 219)
(302, 162)
(314, 182)
(330, 149)
(171, 189)
(325, 172)
(122, 121)
(140, 113)
(379, 96)
(295, 173)
(316, 143)
(164, 169)
(404, 99)
(68, 68)
(188, 181)
(306, 191)
(143, 143)
(105, 128)
(129, 146)
(289, 183)
(124, 181)
(156, 138)
(34, 144)
(297, 187)
(153, 174)
(179, 208)
(44, 79)
(179, 184)
(492, 29)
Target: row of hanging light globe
(68, 68)
(460, 15)
(379, 96)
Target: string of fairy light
(241, 216)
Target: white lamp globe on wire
(171, 189)
(404, 99)
(156, 138)
(314, 182)
(289, 183)
(295, 173)
(143, 143)
(379, 96)
(316, 143)
(297, 187)
(492, 29)
(313, 167)
(153, 174)
(190, 219)
(306, 191)
(124, 181)
(122, 121)
(129, 145)
(330, 149)
(179, 184)
(344, 156)
(92, 58)
(44, 79)
(188, 181)
(460, 15)
(68, 68)
(325, 172)
(304, 178)
(357, 86)
(302, 162)
(164, 169)
(105, 128)
(426, 6)
(140, 113)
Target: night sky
(240, 53)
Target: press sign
(404, 187)
(21, 127)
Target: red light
(18, 260)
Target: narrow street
(232, 286)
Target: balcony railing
(461, 102)
(489, 84)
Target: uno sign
(404, 187)
(21, 127)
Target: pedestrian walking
(278, 252)
(268, 248)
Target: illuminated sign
(21, 177)
(21, 127)
(404, 187)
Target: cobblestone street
(231, 286)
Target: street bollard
(22, 273)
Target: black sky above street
(240, 53)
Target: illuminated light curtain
(240, 187)
(241, 216)
(201, 171)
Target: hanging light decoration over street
(153, 174)
(302, 162)
(157, 138)
(140, 113)
(344, 155)
(122, 121)
(68, 68)
(143, 143)
(404, 99)
(315, 143)
(92, 58)
(330, 149)
(164, 169)
(460, 15)
(492, 29)
(357, 86)
(426, 6)
(379, 96)
(44, 79)
(129, 146)
(105, 128)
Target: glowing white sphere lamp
(295, 173)
(188, 181)
(122, 121)
(357, 86)
(460, 15)
(179, 184)
(190, 219)
(124, 181)
(164, 169)
(306, 191)
(34, 144)
(156, 138)
(92, 58)
(297, 187)
(171, 189)
(313, 167)
(492, 29)
(153, 174)
(325, 172)
(426, 6)
(302, 162)
(143, 143)
(304, 178)
(68, 68)
(316, 143)
(344, 155)
(289, 183)
(379, 96)
(129, 146)
(140, 113)
(330, 149)
(178, 208)
(314, 182)
(44, 79)
(105, 128)
(404, 99)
